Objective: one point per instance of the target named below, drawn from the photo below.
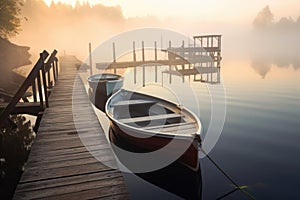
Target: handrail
(46, 69)
(38, 82)
(51, 64)
(50, 61)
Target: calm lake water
(259, 145)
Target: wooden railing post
(51, 64)
(48, 78)
(56, 68)
(35, 72)
(44, 83)
(47, 69)
(33, 87)
(54, 71)
(39, 83)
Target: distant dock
(201, 58)
(59, 164)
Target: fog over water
(70, 29)
(260, 66)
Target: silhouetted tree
(264, 18)
(286, 23)
(297, 22)
(10, 11)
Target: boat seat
(188, 128)
(186, 125)
(151, 118)
(134, 102)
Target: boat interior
(151, 114)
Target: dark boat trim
(193, 138)
(150, 133)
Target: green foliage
(10, 22)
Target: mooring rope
(241, 188)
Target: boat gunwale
(117, 79)
(156, 133)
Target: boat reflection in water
(175, 178)
(148, 122)
(170, 123)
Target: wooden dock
(208, 51)
(60, 166)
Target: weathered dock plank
(60, 166)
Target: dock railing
(40, 81)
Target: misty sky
(74, 28)
(212, 10)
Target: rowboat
(151, 123)
(102, 86)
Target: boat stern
(102, 86)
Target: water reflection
(261, 67)
(15, 145)
(259, 143)
(175, 178)
(209, 75)
(173, 68)
(200, 62)
(275, 47)
(263, 64)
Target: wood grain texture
(63, 160)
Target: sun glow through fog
(73, 2)
(194, 9)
